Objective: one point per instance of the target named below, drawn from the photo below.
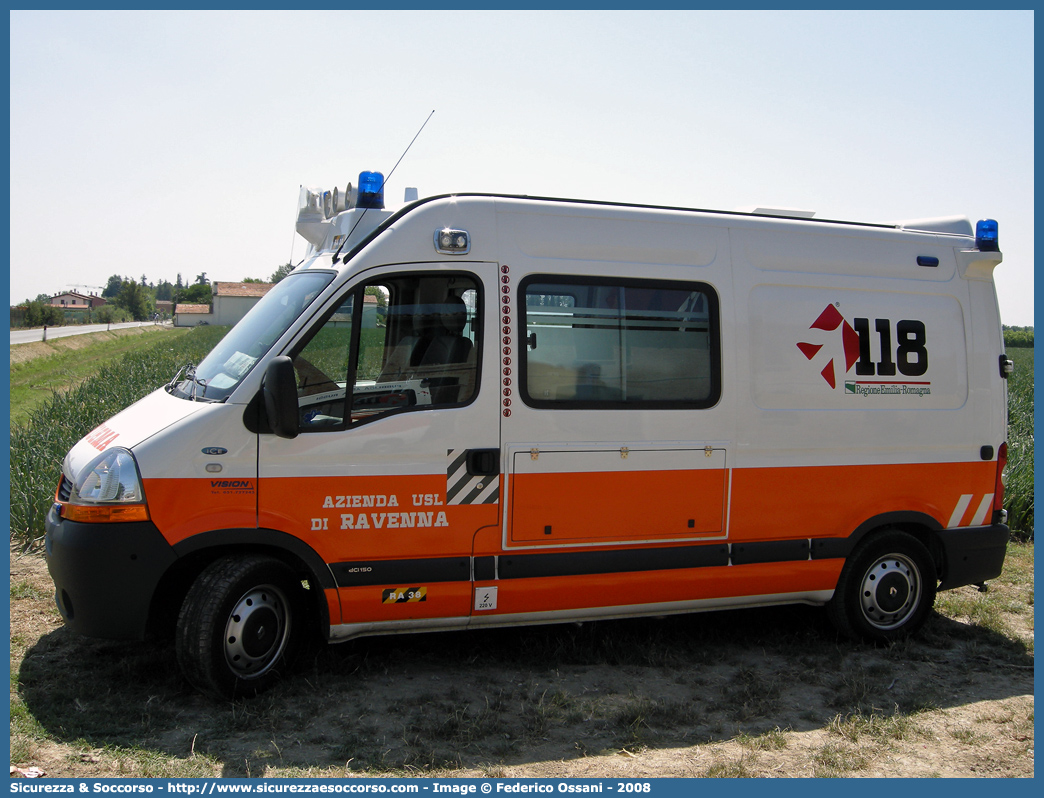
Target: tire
(886, 589)
(240, 626)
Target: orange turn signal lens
(105, 513)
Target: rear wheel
(240, 625)
(886, 589)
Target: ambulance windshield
(214, 379)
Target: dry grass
(750, 693)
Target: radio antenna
(384, 182)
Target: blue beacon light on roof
(986, 237)
(371, 191)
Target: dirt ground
(763, 693)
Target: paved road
(28, 336)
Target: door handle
(483, 462)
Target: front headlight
(108, 490)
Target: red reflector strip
(998, 491)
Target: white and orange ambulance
(489, 410)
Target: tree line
(129, 299)
(1018, 336)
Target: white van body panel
(586, 410)
(144, 419)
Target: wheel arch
(197, 552)
(917, 524)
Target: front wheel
(240, 625)
(886, 589)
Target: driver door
(396, 465)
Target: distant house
(231, 301)
(370, 310)
(72, 300)
(191, 315)
(164, 307)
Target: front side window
(620, 344)
(401, 342)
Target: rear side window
(619, 344)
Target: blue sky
(160, 143)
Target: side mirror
(280, 393)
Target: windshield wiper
(172, 385)
(189, 372)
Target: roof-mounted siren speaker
(371, 191)
(343, 199)
(310, 219)
(411, 195)
(309, 205)
(348, 198)
(986, 236)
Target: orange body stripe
(444, 600)
(292, 503)
(832, 501)
(600, 508)
(616, 506)
(333, 605)
(181, 508)
(547, 594)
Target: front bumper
(971, 555)
(105, 575)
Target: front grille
(64, 489)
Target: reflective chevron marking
(957, 518)
(463, 488)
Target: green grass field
(67, 362)
(1019, 491)
(39, 445)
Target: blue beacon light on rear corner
(371, 191)
(986, 236)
